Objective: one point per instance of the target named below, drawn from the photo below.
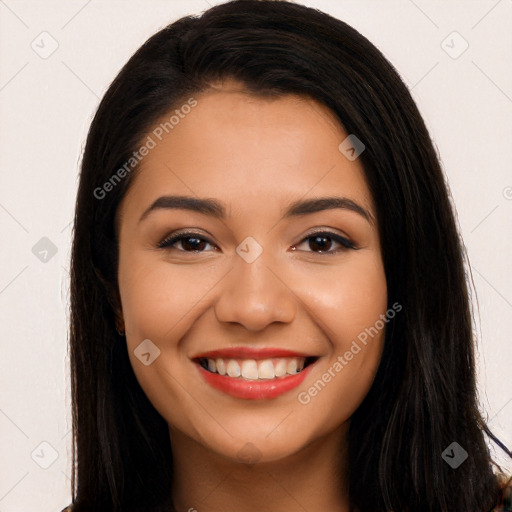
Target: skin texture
(256, 156)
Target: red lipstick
(253, 389)
(250, 389)
(250, 353)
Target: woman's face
(268, 276)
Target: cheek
(159, 302)
(347, 298)
(157, 297)
(350, 307)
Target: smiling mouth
(256, 369)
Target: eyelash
(346, 244)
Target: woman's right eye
(190, 242)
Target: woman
(269, 303)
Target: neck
(313, 479)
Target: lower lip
(253, 389)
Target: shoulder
(67, 509)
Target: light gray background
(46, 105)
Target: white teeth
(280, 368)
(266, 370)
(221, 367)
(233, 368)
(292, 367)
(250, 369)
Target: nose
(255, 295)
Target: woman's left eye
(320, 242)
(323, 242)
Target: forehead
(235, 146)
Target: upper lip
(250, 353)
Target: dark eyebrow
(216, 209)
(210, 207)
(308, 206)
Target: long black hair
(424, 396)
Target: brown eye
(322, 242)
(190, 242)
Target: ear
(113, 298)
(115, 302)
(119, 320)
